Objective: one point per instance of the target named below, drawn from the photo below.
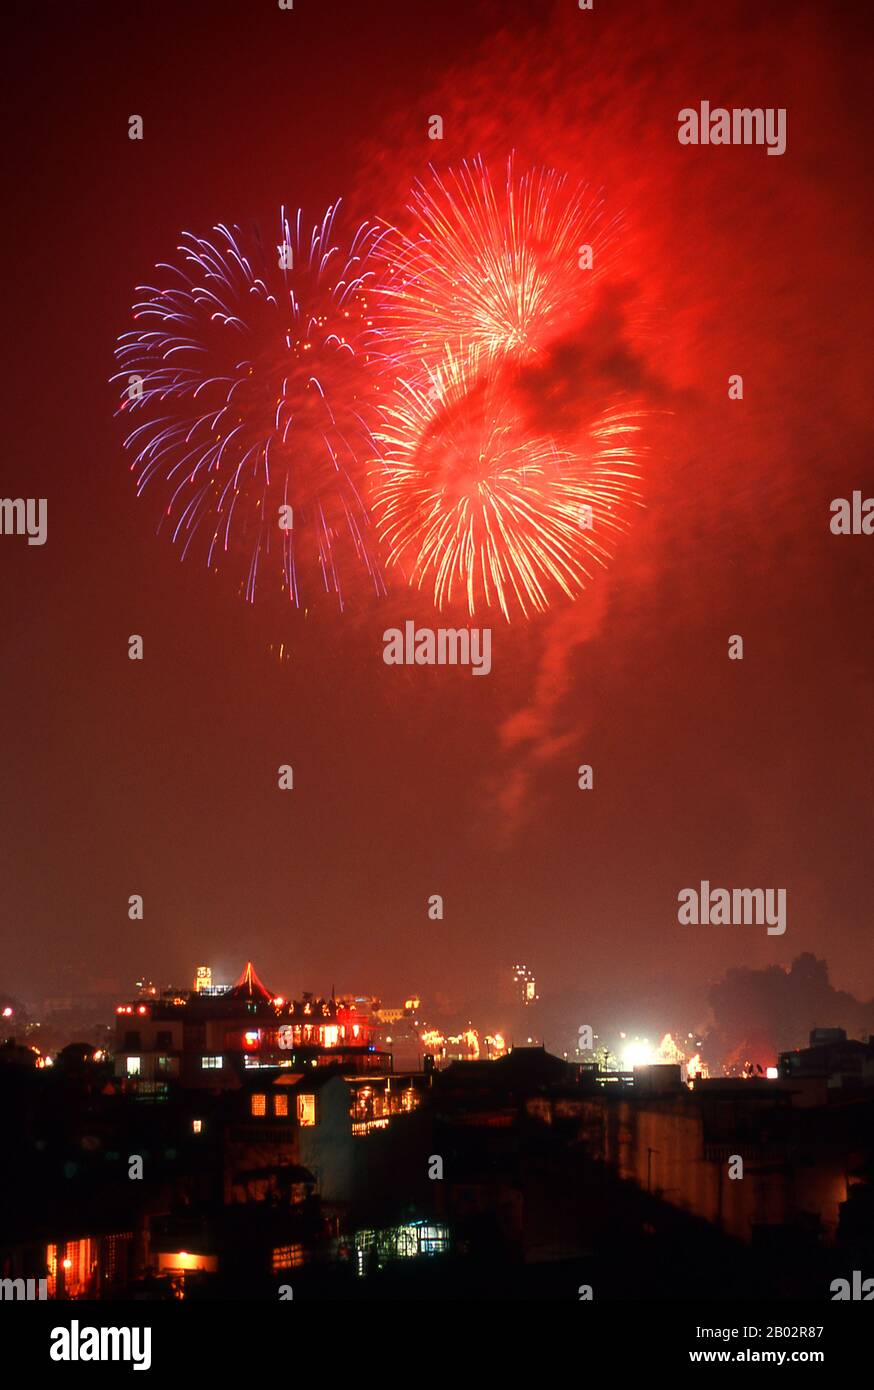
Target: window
(167, 1065)
(287, 1256)
(73, 1267)
(280, 1105)
(212, 1063)
(306, 1110)
(259, 1105)
(133, 1066)
(197, 1126)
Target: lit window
(259, 1105)
(287, 1256)
(212, 1063)
(280, 1105)
(306, 1110)
(197, 1126)
(133, 1066)
(73, 1264)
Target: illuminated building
(524, 985)
(212, 1035)
(202, 978)
(395, 1013)
(375, 1249)
(322, 1120)
(88, 1266)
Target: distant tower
(524, 985)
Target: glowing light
(669, 1051)
(183, 1261)
(638, 1054)
(306, 1110)
(772, 1073)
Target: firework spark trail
(497, 269)
(473, 499)
(470, 502)
(256, 392)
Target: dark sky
(159, 777)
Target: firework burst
(249, 385)
(473, 506)
(493, 268)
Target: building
(212, 1036)
(524, 986)
(832, 1058)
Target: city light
(638, 1054)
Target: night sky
(160, 777)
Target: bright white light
(772, 1073)
(637, 1054)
